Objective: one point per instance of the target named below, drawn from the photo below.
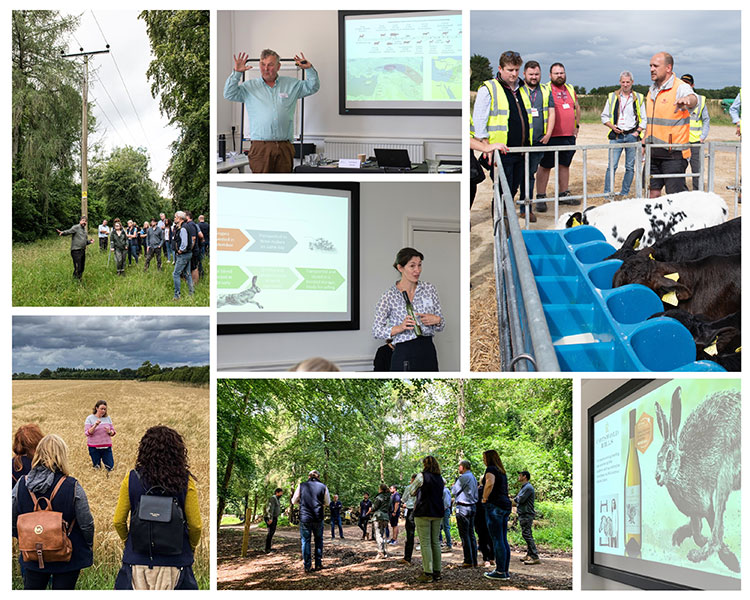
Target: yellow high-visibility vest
(497, 121)
(613, 103)
(696, 123)
(545, 107)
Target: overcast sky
(595, 46)
(130, 49)
(108, 342)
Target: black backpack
(157, 524)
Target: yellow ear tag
(673, 276)
(739, 349)
(670, 298)
(711, 350)
(637, 244)
(651, 256)
(575, 222)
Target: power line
(122, 79)
(99, 106)
(98, 79)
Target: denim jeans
(314, 528)
(168, 251)
(497, 525)
(446, 526)
(465, 521)
(614, 158)
(534, 159)
(182, 263)
(102, 455)
(336, 521)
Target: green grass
(230, 520)
(553, 526)
(43, 276)
(102, 576)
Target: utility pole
(85, 128)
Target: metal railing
(525, 341)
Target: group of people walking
(156, 555)
(182, 242)
(482, 510)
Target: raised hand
(301, 61)
(240, 61)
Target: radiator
(350, 148)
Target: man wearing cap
(700, 123)
(524, 502)
(270, 101)
(625, 114)
(78, 244)
(312, 497)
(668, 105)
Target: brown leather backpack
(43, 533)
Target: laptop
(396, 158)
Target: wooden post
(246, 534)
(85, 142)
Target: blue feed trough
(593, 326)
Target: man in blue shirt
(466, 493)
(524, 500)
(270, 101)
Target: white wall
(592, 390)
(316, 34)
(384, 209)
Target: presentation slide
(666, 472)
(403, 60)
(283, 254)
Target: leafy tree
(122, 182)
(481, 70)
(180, 75)
(46, 121)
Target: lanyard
(623, 105)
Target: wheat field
(61, 407)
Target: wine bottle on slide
(410, 310)
(632, 497)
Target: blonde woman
(50, 475)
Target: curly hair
(162, 459)
(25, 442)
(430, 464)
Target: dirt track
(484, 340)
(351, 564)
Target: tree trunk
(461, 417)
(222, 491)
(382, 461)
(247, 504)
(255, 506)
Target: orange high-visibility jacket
(665, 126)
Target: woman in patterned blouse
(411, 352)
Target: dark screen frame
(302, 326)
(423, 112)
(643, 582)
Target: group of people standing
(41, 470)
(182, 242)
(482, 510)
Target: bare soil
(484, 354)
(351, 564)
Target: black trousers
(269, 535)
(484, 542)
(410, 528)
(79, 262)
(528, 536)
(38, 580)
(363, 521)
(418, 354)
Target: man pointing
(270, 101)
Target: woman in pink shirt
(99, 432)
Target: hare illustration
(244, 297)
(700, 468)
(605, 527)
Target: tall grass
(43, 276)
(62, 406)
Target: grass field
(62, 406)
(43, 276)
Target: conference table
(239, 162)
(418, 168)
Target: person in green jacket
(379, 513)
(78, 244)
